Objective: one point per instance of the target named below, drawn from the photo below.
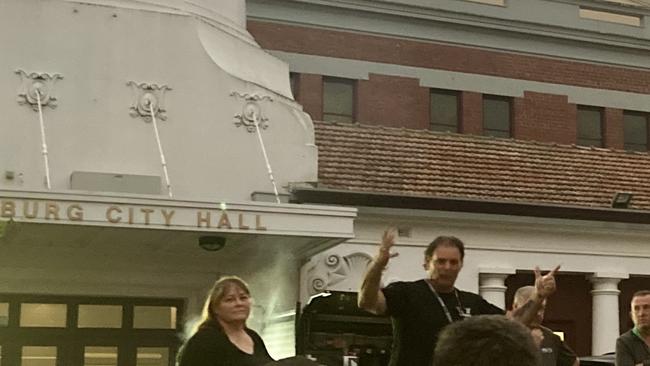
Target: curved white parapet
(245, 61)
(223, 34)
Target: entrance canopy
(54, 238)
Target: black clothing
(631, 350)
(210, 346)
(418, 317)
(554, 351)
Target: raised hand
(387, 242)
(545, 285)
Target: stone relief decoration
(146, 95)
(333, 272)
(251, 111)
(43, 83)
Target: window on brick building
(496, 116)
(635, 131)
(590, 126)
(338, 99)
(444, 110)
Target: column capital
(487, 271)
(608, 275)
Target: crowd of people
(434, 323)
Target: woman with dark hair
(222, 338)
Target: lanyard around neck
(442, 303)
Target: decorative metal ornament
(146, 95)
(251, 112)
(34, 82)
(335, 272)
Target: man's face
(641, 312)
(443, 266)
(539, 317)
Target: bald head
(522, 296)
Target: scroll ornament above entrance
(146, 96)
(334, 272)
(251, 111)
(35, 86)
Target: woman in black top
(222, 338)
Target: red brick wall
(401, 102)
(471, 113)
(333, 43)
(392, 101)
(544, 117)
(310, 95)
(613, 128)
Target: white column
(492, 285)
(604, 328)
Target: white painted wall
(98, 49)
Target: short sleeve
(486, 308)
(396, 295)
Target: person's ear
(427, 260)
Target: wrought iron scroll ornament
(41, 83)
(251, 111)
(146, 95)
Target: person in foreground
(222, 338)
(554, 352)
(633, 346)
(420, 309)
(486, 340)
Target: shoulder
(479, 304)
(407, 284)
(469, 295)
(550, 335)
(404, 287)
(207, 336)
(626, 337)
(205, 344)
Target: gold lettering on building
(123, 214)
(200, 219)
(51, 211)
(258, 223)
(113, 219)
(75, 213)
(167, 216)
(8, 209)
(241, 223)
(146, 212)
(34, 211)
(224, 221)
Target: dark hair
(487, 340)
(641, 293)
(450, 241)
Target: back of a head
(488, 340)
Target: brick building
(511, 124)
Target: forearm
(370, 296)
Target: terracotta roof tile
(425, 163)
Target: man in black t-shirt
(420, 309)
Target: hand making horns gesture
(545, 285)
(387, 242)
